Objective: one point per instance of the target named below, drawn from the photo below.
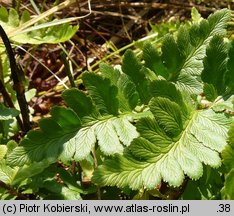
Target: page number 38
(224, 208)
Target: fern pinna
(159, 119)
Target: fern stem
(17, 76)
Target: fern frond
(182, 56)
(169, 147)
(73, 132)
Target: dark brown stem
(17, 78)
(12, 191)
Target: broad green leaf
(10, 20)
(169, 147)
(215, 64)
(93, 118)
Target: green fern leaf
(172, 62)
(62, 136)
(73, 132)
(110, 73)
(196, 16)
(183, 56)
(127, 95)
(200, 36)
(153, 60)
(169, 147)
(102, 92)
(210, 92)
(133, 68)
(47, 142)
(78, 101)
(215, 64)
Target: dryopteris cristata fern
(180, 137)
(174, 143)
(174, 135)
